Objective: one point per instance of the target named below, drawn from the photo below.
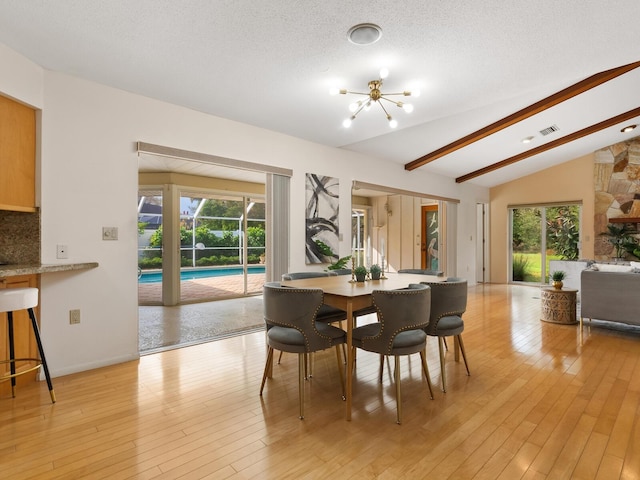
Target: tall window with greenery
(540, 234)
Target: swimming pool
(155, 277)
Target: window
(360, 237)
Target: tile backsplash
(19, 237)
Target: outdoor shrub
(563, 234)
(150, 263)
(520, 267)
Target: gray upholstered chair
(403, 315)
(448, 303)
(341, 271)
(299, 275)
(290, 317)
(421, 271)
(327, 313)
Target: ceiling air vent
(548, 130)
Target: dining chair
(290, 317)
(327, 313)
(448, 303)
(422, 271)
(403, 316)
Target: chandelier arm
(397, 104)
(405, 94)
(359, 110)
(384, 109)
(356, 93)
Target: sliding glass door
(539, 234)
(222, 245)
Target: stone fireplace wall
(617, 190)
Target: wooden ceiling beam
(556, 143)
(544, 104)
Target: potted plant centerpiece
(557, 278)
(375, 271)
(360, 272)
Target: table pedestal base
(559, 306)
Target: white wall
(21, 78)
(89, 180)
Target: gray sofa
(611, 296)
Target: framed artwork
(430, 237)
(322, 206)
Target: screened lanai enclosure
(221, 250)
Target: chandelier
(375, 95)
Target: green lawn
(534, 266)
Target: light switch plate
(109, 233)
(61, 251)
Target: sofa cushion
(605, 267)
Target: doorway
(482, 243)
(258, 195)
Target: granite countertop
(28, 269)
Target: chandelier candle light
(375, 95)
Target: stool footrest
(21, 372)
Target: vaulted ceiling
(271, 64)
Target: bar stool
(11, 300)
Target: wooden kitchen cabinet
(24, 341)
(17, 156)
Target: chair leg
(341, 372)
(425, 368)
(444, 340)
(353, 349)
(381, 368)
(307, 366)
(301, 367)
(36, 332)
(344, 345)
(464, 355)
(279, 357)
(12, 353)
(267, 368)
(398, 391)
(442, 369)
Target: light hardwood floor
(542, 402)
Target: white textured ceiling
(271, 64)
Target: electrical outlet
(74, 317)
(61, 251)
